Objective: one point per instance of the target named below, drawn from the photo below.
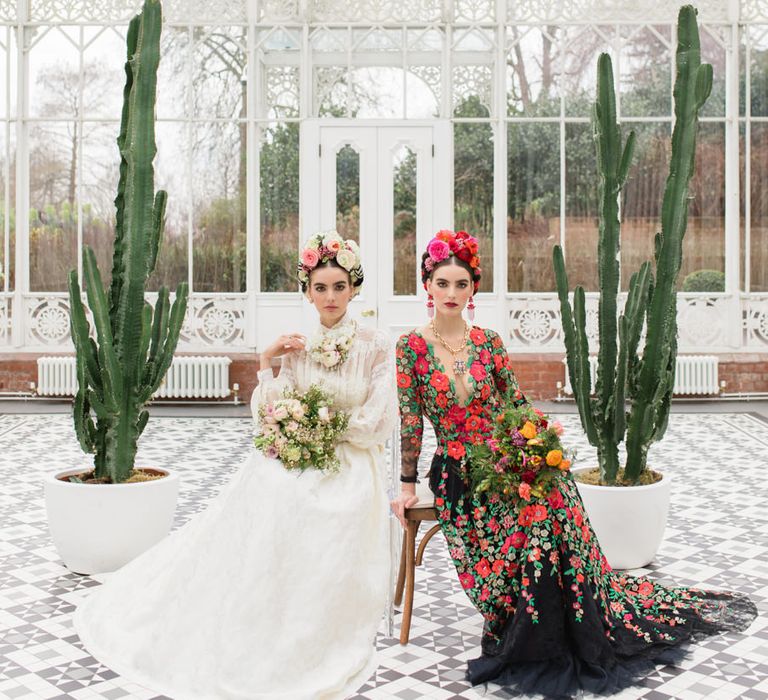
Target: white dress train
(277, 589)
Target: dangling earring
(430, 307)
(471, 308)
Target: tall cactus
(647, 381)
(120, 370)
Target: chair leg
(410, 575)
(401, 571)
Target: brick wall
(537, 374)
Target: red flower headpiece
(447, 243)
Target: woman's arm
(503, 376)
(411, 427)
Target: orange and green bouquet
(522, 458)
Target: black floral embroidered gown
(557, 617)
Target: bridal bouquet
(521, 459)
(301, 430)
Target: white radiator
(694, 375)
(190, 376)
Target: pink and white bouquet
(301, 430)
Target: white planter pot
(629, 521)
(98, 528)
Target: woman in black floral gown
(558, 619)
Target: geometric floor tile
(717, 537)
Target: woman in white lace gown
(277, 589)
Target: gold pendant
(459, 366)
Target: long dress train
(277, 589)
(558, 620)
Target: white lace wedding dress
(277, 589)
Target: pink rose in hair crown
(438, 250)
(310, 257)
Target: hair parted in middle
(460, 246)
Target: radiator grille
(189, 376)
(695, 375)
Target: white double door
(386, 184)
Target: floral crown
(447, 243)
(329, 245)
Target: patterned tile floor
(717, 537)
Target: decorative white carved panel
(611, 10)
(46, 321)
(754, 11)
(178, 11)
(474, 10)
(755, 321)
(375, 11)
(7, 10)
(212, 322)
(282, 91)
(703, 321)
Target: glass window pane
(758, 71)
(377, 92)
(218, 222)
(173, 74)
(472, 91)
(532, 63)
(758, 196)
(330, 91)
(404, 221)
(646, 68)
(172, 174)
(423, 92)
(54, 149)
(219, 72)
(101, 172)
(348, 193)
(533, 206)
(642, 195)
(54, 78)
(103, 72)
(581, 200)
(704, 242)
(473, 190)
(713, 51)
(579, 74)
(279, 206)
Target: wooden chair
(411, 556)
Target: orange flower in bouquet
(522, 458)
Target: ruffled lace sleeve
(270, 387)
(371, 423)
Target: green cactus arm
(158, 224)
(176, 321)
(692, 85)
(84, 428)
(98, 303)
(146, 333)
(80, 331)
(583, 389)
(142, 422)
(566, 315)
(139, 151)
(99, 407)
(617, 406)
(626, 158)
(159, 323)
(118, 251)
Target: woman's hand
(290, 342)
(406, 499)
